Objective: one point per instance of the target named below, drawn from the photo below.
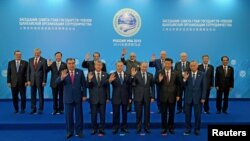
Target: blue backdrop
(75, 27)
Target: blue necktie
(121, 80)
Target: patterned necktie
(167, 77)
(72, 77)
(35, 64)
(120, 77)
(193, 79)
(17, 65)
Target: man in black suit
(158, 64)
(169, 84)
(120, 96)
(57, 89)
(143, 82)
(224, 83)
(16, 79)
(182, 67)
(74, 87)
(37, 77)
(98, 85)
(195, 84)
(130, 63)
(209, 71)
(90, 65)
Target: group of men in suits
(69, 87)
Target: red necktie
(167, 77)
(72, 77)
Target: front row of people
(70, 82)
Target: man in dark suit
(37, 77)
(182, 67)
(57, 90)
(195, 84)
(130, 63)
(169, 84)
(120, 96)
(209, 71)
(90, 65)
(98, 85)
(158, 64)
(224, 83)
(16, 79)
(143, 82)
(74, 89)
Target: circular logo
(127, 22)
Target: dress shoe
(22, 112)
(93, 132)
(69, 136)
(207, 112)
(101, 132)
(138, 130)
(115, 131)
(171, 131)
(163, 131)
(79, 135)
(60, 112)
(33, 112)
(187, 132)
(225, 112)
(54, 112)
(124, 130)
(147, 131)
(218, 112)
(197, 132)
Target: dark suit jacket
(55, 73)
(156, 64)
(120, 93)
(39, 75)
(178, 66)
(90, 65)
(209, 74)
(198, 91)
(99, 93)
(169, 91)
(223, 81)
(73, 92)
(142, 90)
(14, 77)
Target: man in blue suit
(158, 64)
(74, 89)
(120, 96)
(195, 95)
(98, 85)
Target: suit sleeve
(45, 71)
(232, 78)
(178, 85)
(85, 64)
(123, 60)
(104, 67)
(9, 73)
(204, 86)
(152, 87)
(212, 77)
(83, 81)
(217, 77)
(152, 64)
(28, 70)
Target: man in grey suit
(16, 79)
(143, 82)
(74, 88)
(181, 67)
(195, 90)
(37, 77)
(98, 85)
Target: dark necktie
(193, 79)
(120, 77)
(167, 77)
(225, 70)
(72, 77)
(35, 64)
(17, 66)
(98, 78)
(183, 67)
